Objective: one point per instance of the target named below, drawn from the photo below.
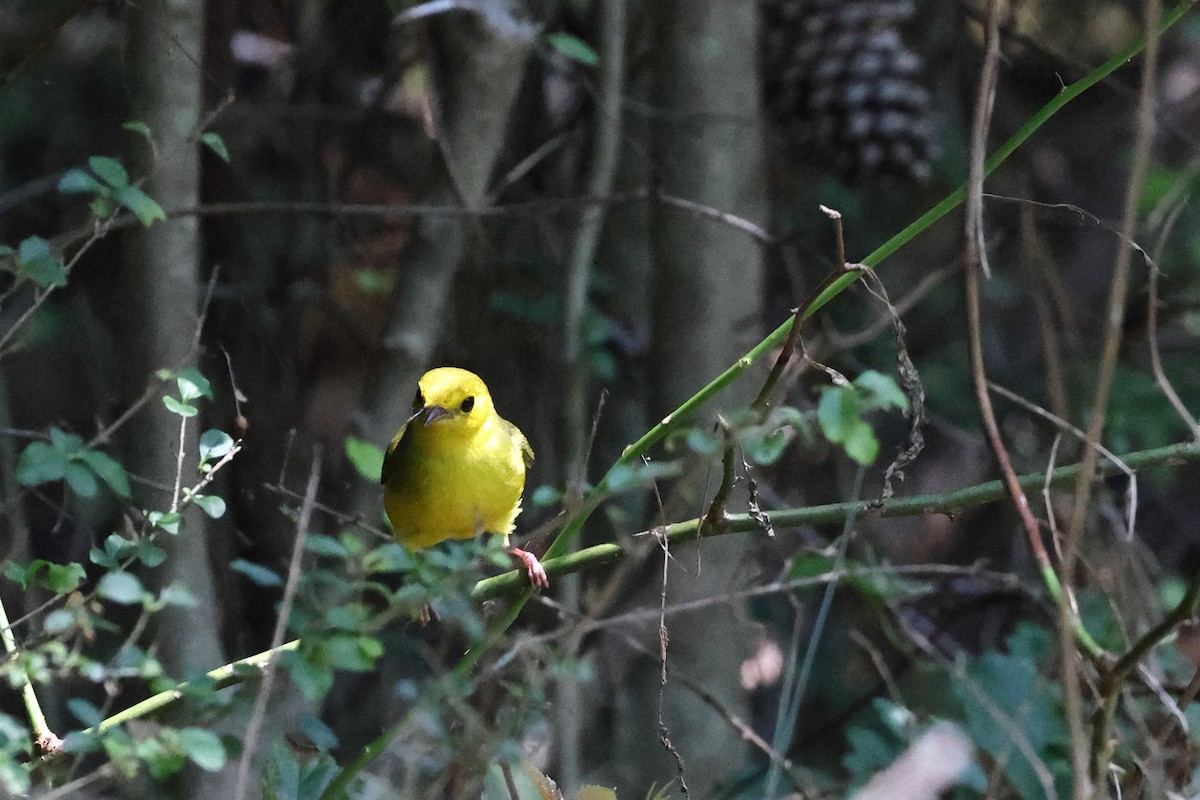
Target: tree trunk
(707, 294)
(163, 295)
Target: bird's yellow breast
(457, 476)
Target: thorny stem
(716, 509)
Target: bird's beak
(434, 413)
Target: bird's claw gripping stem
(533, 568)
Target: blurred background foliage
(280, 214)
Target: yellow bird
(456, 468)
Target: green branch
(43, 736)
(949, 503)
(228, 675)
(684, 413)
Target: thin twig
(182, 450)
(1070, 627)
(795, 684)
(989, 75)
(756, 232)
(1114, 319)
(99, 231)
(801, 313)
(1063, 425)
(250, 741)
(71, 788)
(153, 387)
(929, 281)
(743, 729)
(664, 734)
(1160, 374)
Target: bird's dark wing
(394, 454)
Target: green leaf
(325, 546)
(120, 587)
(874, 743)
(215, 444)
(256, 573)
(40, 463)
(320, 734)
(706, 443)
(110, 171)
(573, 48)
(179, 407)
(67, 443)
(880, 391)
(100, 558)
(309, 671)
(632, 476)
(203, 748)
(765, 446)
(374, 281)
(16, 573)
(84, 711)
(38, 261)
(837, 413)
(77, 181)
(109, 470)
(59, 578)
(353, 653)
(861, 444)
(1028, 702)
(162, 760)
(149, 553)
(143, 205)
(211, 504)
(82, 480)
(192, 384)
(165, 520)
(389, 557)
(545, 496)
(104, 205)
(810, 565)
(60, 620)
(177, 595)
(366, 457)
(138, 127)
(216, 144)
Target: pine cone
(837, 76)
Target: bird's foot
(533, 568)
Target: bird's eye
(467, 405)
(418, 401)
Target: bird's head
(451, 401)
